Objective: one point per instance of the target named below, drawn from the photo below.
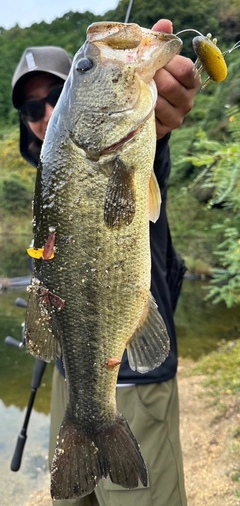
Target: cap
(51, 59)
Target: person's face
(36, 88)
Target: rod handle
(11, 341)
(17, 456)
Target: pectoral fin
(120, 199)
(154, 198)
(150, 344)
(42, 329)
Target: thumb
(163, 25)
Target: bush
(15, 197)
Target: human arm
(177, 85)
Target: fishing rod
(128, 11)
(38, 372)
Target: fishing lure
(209, 57)
(47, 251)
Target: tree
(220, 165)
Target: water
(200, 327)
(16, 487)
(15, 387)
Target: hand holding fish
(177, 85)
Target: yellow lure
(37, 253)
(210, 57)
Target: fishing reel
(11, 341)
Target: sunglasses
(34, 110)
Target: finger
(173, 91)
(163, 25)
(169, 115)
(183, 70)
(162, 130)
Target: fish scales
(98, 274)
(92, 299)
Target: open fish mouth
(123, 59)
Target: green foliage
(14, 196)
(191, 228)
(12, 165)
(226, 284)
(204, 149)
(220, 163)
(14, 257)
(191, 225)
(222, 369)
(184, 14)
(16, 176)
(220, 17)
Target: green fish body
(89, 298)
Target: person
(148, 401)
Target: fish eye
(84, 65)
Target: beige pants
(153, 415)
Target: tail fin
(81, 459)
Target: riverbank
(210, 434)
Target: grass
(222, 370)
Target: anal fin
(150, 344)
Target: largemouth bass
(90, 298)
